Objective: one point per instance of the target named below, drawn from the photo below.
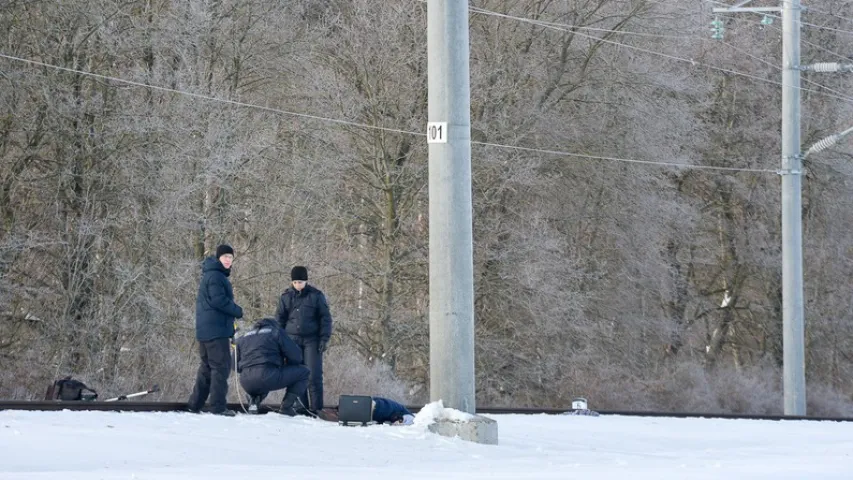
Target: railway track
(136, 406)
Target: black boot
(287, 405)
(254, 403)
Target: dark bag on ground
(355, 410)
(69, 389)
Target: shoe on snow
(254, 403)
(323, 415)
(289, 411)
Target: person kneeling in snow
(267, 360)
(389, 411)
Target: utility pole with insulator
(451, 251)
(793, 324)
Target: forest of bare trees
(624, 181)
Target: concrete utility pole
(451, 251)
(793, 330)
(793, 334)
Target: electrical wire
(374, 127)
(652, 52)
(566, 27)
(772, 15)
(205, 97)
(838, 93)
(594, 29)
(741, 19)
(811, 9)
(646, 162)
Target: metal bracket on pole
(747, 9)
(739, 7)
(797, 159)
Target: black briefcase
(355, 410)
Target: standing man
(267, 360)
(215, 312)
(304, 313)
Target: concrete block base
(477, 429)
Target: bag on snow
(69, 389)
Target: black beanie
(223, 249)
(299, 273)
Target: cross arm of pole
(747, 9)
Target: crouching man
(267, 360)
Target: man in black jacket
(304, 313)
(267, 360)
(215, 312)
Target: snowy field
(177, 446)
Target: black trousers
(313, 359)
(212, 376)
(263, 379)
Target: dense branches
(592, 276)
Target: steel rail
(136, 406)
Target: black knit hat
(299, 273)
(224, 249)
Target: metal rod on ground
(153, 389)
(451, 258)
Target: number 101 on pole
(436, 132)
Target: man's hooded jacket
(215, 309)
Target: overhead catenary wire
(806, 10)
(552, 25)
(837, 94)
(822, 67)
(648, 162)
(486, 12)
(480, 11)
(758, 23)
(811, 9)
(373, 127)
(654, 35)
(569, 28)
(573, 28)
(201, 96)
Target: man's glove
(322, 346)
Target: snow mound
(435, 411)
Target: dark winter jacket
(385, 410)
(305, 313)
(215, 309)
(266, 344)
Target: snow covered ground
(177, 446)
